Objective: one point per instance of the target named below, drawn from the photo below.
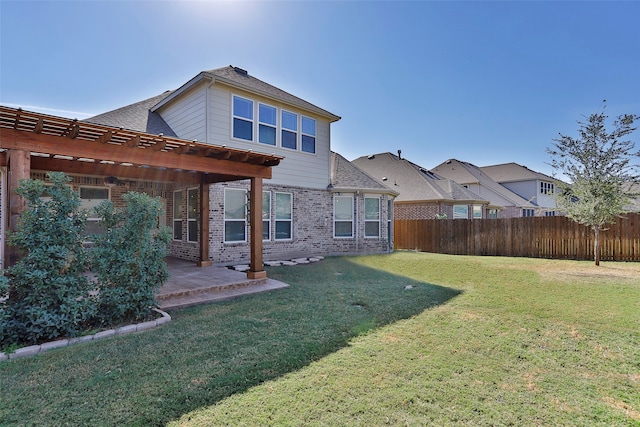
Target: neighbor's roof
(467, 173)
(239, 78)
(345, 176)
(414, 183)
(513, 172)
(136, 117)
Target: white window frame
(177, 207)
(547, 188)
(274, 126)
(89, 206)
(295, 131)
(243, 220)
(251, 120)
(343, 220)
(190, 218)
(304, 134)
(458, 215)
(266, 216)
(283, 220)
(528, 212)
(369, 221)
(476, 212)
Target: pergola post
(204, 225)
(256, 269)
(19, 168)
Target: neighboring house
(256, 126)
(634, 206)
(472, 177)
(423, 194)
(526, 183)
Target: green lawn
(474, 341)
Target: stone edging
(123, 330)
(295, 261)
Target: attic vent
(240, 71)
(372, 156)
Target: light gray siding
(186, 117)
(303, 169)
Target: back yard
(402, 339)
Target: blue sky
(484, 82)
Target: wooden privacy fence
(535, 237)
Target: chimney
(399, 154)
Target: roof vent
(399, 154)
(371, 156)
(384, 178)
(240, 71)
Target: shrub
(47, 291)
(128, 259)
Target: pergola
(37, 141)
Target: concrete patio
(190, 285)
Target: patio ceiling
(73, 146)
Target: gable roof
(466, 173)
(345, 176)
(136, 117)
(413, 182)
(513, 172)
(237, 77)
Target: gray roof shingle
(137, 117)
(346, 175)
(513, 172)
(413, 182)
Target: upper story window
(528, 212)
(308, 135)
(267, 116)
(242, 118)
(289, 130)
(546, 187)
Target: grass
(474, 341)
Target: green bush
(128, 259)
(47, 290)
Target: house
(510, 204)
(244, 169)
(423, 194)
(528, 184)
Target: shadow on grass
(211, 352)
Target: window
(266, 215)
(242, 118)
(372, 217)
(235, 215)
(343, 216)
(284, 217)
(528, 212)
(460, 212)
(546, 187)
(549, 213)
(308, 135)
(90, 197)
(289, 130)
(177, 215)
(192, 215)
(477, 212)
(267, 124)
(492, 214)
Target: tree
(47, 290)
(599, 165)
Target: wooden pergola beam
(106, 169)
(50, 144)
